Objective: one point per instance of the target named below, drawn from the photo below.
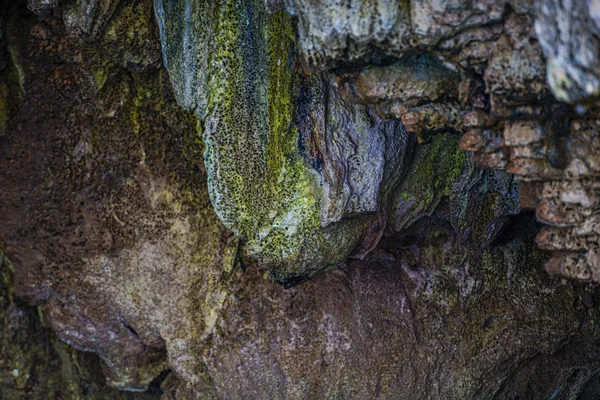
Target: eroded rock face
(302, 175)
(108, 220)
(481, 70)
(409, 321)
(562, 27)
(108, 211)
(444, 182)
(34, 363)
(334, 33)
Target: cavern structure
(299, 199)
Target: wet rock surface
(150, 200)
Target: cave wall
(409, 171)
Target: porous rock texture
(108, 219)
(299, 173)
(518, 80)
(164, 163)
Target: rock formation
(298, 199)
(298, 172)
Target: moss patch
(438, 167)
(259, 184)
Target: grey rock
(138, 265)
(87, 18)
(443, 182)
(360, 157)
(39, 6)
(107, 217)
(562, 27)
(35, 363)
(312, 172)
(186, 31)
(337, 33)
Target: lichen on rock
(443, 181)
(147, 211)
(294, 169)
(138, 262)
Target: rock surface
(312, 171)
(108, 220)
(306, 114)
(334, 33)
(35, 364)
(561, 27)
(417, 324)
(481, 70)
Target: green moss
(438, 167)
(19, 75)
(260, 186)
(404, 196)
(12, 81)
(100, 77)
(6, 276)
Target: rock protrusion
(295, 170)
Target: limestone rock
(108, 220)
(87, 18)
(40, 6)
(34, 363)
(186, 30)
(561, 27)
(419, 90)
(515, 74)
(403, 323)
(311, 171)
(131, 35)
(486, 80)
(444, 182)
(350, 32)
(125, 275)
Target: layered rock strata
(495, 71)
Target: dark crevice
(522, 225)
(154, 387)
(129, 327)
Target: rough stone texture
(443, 182)
(108, 220)
(420, 90)
(410, 321)
(554, 149)
(562, 27)
(311, 172)
(108, 223)
(335, 33)
(186, 49)
(35, 364)
(87, 18)
(480, 70)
